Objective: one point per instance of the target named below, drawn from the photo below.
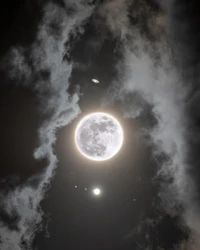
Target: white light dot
(75, 186)
(95, 80)
(96, 191)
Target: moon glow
(99, 136)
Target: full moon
(99, 136)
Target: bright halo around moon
(99, 136)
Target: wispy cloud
(43, 68)
(148, 70)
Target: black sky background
(129, 214)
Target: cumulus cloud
(149, 70)
(43, 67)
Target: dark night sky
(145, 54)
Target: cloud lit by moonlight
(99, 136)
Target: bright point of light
(109, 141)
(95, 80)
(96, 191)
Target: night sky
(145, 55)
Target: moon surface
(99, 136)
